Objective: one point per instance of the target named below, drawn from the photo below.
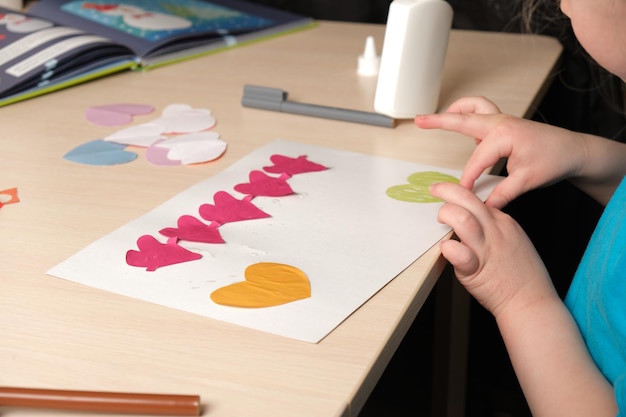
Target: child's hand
(538, 154)
(494, 258)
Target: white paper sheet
(339, 228)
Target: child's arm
(499, 266)
(552, 363)
(603, 167)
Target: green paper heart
(417, 189)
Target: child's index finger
(468, 124)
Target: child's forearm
(602, 169)
(552, 363)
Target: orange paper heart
(267, 284)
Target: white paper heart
(142, 135)
(182, 118)
(194, 148)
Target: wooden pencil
(96, 401)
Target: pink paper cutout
(153, 254)
(193, 230)
(158, 156)
(115, 114)
(263, 185)
(293, 166)
(228, 209)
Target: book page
(155, 28)
(36, 52)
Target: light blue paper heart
(100, 152)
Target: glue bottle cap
(369, 61)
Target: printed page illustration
(154, 28)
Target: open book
(59, 43)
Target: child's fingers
(458, 195)
(463, 212)
(474, 125)
(483, 158)
(511, 187)
(462, 258)
(468, 124)
(465, 224)
(473, 105)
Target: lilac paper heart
(115, 114)
(157, 155)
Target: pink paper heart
(228, 209)
(115, 114)
(263, 185)
(292, 166)
(153, 254)
(193, 230)
(157, 155)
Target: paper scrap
(8, 196)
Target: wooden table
(58, 334)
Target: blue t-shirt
(597, 295)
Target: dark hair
(528, 11)
(537, 15)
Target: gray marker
(275, 99)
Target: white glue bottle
(412, 58)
